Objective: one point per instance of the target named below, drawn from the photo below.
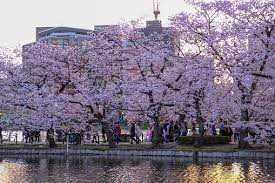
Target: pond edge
(247, 154)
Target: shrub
(186, 140)
(124, 138)
(206, 140)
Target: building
(69, 36)
(155, 27)
(98, 28)
(62, 36)
(65, 36)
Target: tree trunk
(199, 138)
(157, 139)
(198, 141)
(245, 100)
(109, 135)
(199, 119)
(50, 138)
(244, 115)
(106, 127)
(243, 144)
(52, 143)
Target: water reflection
(78, 169)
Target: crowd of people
(30, 135)
(169, 132)
(96, 134)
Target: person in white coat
(138, 133)
(95, 134)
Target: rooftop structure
(98, 28)
(156, 9)
(64, 36)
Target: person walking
(103, 131)
(117, 132)
(95, 134)
(208, 131)
(201, 129)
(230, 132)
(26, 134)
(194, 131)
(184, 129)
(138, 133)
(1, 135)
(171, 132)
(37, 135)
(50, 137)
(213, 130)
(165, 131)
(87, 133)
(176, 132)
(148, 136)
(223, 130)
(236, 134)
(132, 133)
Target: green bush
(124, 138)
(206, 140)
(186, 140)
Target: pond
(82, 169)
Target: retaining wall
(132, 152)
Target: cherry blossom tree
(239, 36)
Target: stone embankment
(249, 154)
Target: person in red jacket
(117, 132)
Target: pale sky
(19, 18)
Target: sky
(19, 18)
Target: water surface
(82, 169)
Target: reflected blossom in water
(103, 169)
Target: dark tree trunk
(50, 138)
(244, 115)
(157, 139)
(52, 143)
(198, 141)
(109, 135)
(245, 100)
(200, 121)
(243, 144)
(106, 127)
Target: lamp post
(67, 144)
